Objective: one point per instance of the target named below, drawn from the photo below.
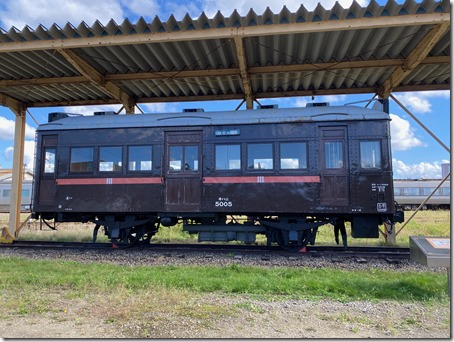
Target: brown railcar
(288, 171)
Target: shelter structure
(374, 49)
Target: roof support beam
(97, 78)
(242, 63)
(229, 32)
(13, 104)
(415, 57)
(331, 66)
(217, 97)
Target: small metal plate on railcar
(431, 251)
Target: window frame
(253, 169)
(128, 160)
(93, 168)
(306, 148)
(45, 151)
(216, 154)
(380, 167)
(98, 162)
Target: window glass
(446, 191)
(110, 159)
(397, 191)
(6, 193)
(293, 155)
(81, 159)
(188, 153)
(175, 158)
(140, 158)
(25, 193)
(49, 159)
(334, 155)
(260, 156)
(228, 157)
(427, 191)
(191, 158)
(411, 191)
(370, 154)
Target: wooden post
(390, 233)
(16, 183)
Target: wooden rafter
(243, 70)
(265, 95)
(416, 56)
(94, 76)
(16, 106)
(331, 66)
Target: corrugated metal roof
(324, 51)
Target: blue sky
(415, 153)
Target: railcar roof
(274, 115)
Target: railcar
(410, 193)
(5, 196)
(285, 171)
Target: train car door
(183, 171)
(48, 169)
(334, 166)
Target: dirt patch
(222, 316)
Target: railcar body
(288, 171)
(410, 193)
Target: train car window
(370, 154)
(446, 191)
(334, 155)
(260, 156)
(175, 158)
(140, 158)
(110, 159)
(228, 157)
(411, 191)
(191, 158)
(6, 193)
(427, 191)
(81, 159)
(25, 193)
(293, 155)
(49, 162)
(183, 158)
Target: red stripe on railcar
(262, 179)
(104, 181)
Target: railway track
(366, 252)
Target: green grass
(297, 283)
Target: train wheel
(283, 240)
(141, 235)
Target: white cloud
(19, 13)
(417, 171)
(402, 135)
(29, 154)
(145, 8)
(146, 108)
(7, 129)
(89, 110)
(243, 6)
(419, 102)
